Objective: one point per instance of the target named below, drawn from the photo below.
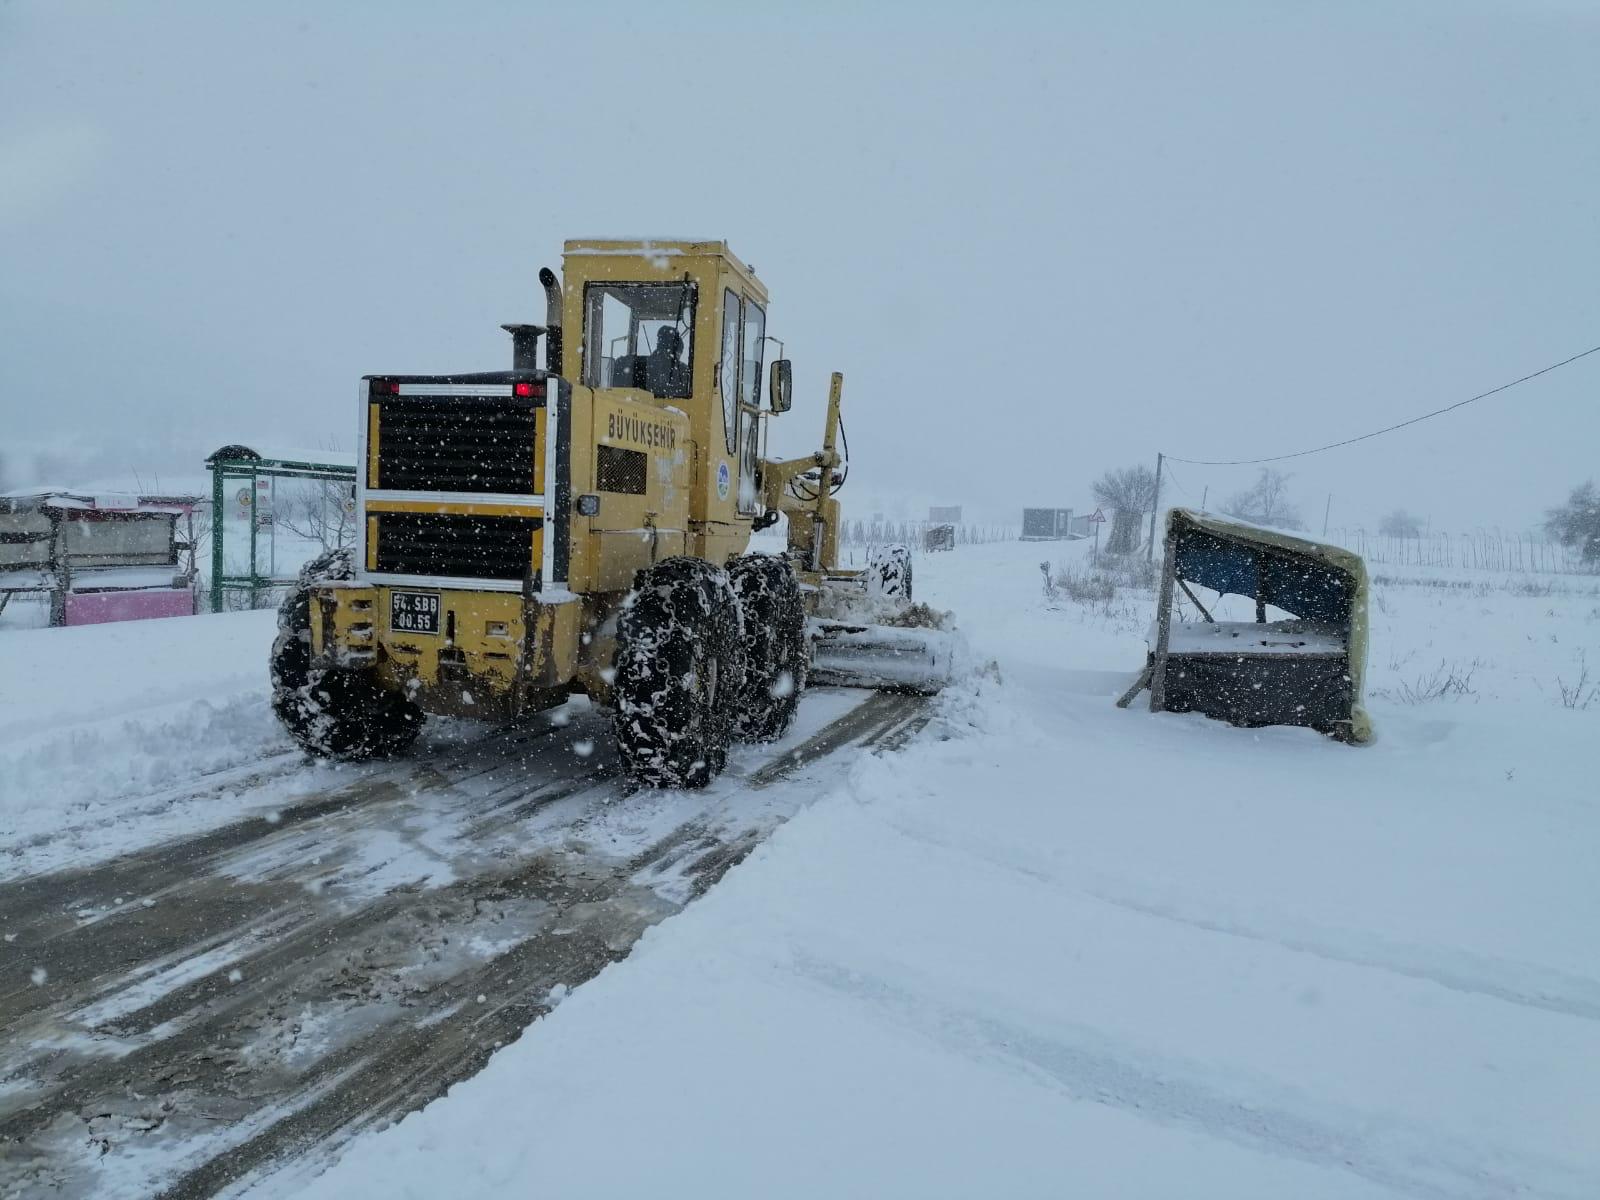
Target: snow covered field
(1046, 947)
(1054, 948)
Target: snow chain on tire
(775, 650)
(332, 712)
(679, 673)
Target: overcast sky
(1039, 240)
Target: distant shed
(1046, 524)
(98, 556)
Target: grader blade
(884, 657)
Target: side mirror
(780, 391)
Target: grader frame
(506, 516)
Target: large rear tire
(679, 673)
(332, 712)
(776, 655)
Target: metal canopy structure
(1306, 668)
(250, 466)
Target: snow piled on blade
(1052, 947)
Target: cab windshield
(640, 335)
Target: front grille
(457, 444)
(455, 545)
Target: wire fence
(913, 533)
(1477, 550)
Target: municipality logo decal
(723, 480)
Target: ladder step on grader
(584, 526)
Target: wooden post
(1158, 664)
(1137, 686)
(1155, 507)
(61, 570)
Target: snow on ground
(120, 735)
(1053, 947)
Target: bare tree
(1577, 522)
(321, 513)
(199, 532)
(1400, 523)
(1266, 502)
(1131, 493)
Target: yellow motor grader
(583, 527)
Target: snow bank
(115, 736)
(1057, 948)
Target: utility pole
(1155, 507)
(1328, 508)
(1204, 492)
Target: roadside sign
(262, 504)
(1097, 517)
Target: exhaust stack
(552, 319)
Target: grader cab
(583, 526)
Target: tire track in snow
(579, 941)
(1086, 1067)
(63, 901)
(1528, 985)
(175, 1034)
(1570, 995)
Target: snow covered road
(179, 1016)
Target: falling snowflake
(39, 975)
(583, 749)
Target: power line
(1177, 482)
(1250, 462)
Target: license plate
(414, 612)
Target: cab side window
(728, 373)
(755, 329)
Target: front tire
(332, 712)
(679, 673)
(889, 574)
(776, 655)
(340, 713)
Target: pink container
(95, 608)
